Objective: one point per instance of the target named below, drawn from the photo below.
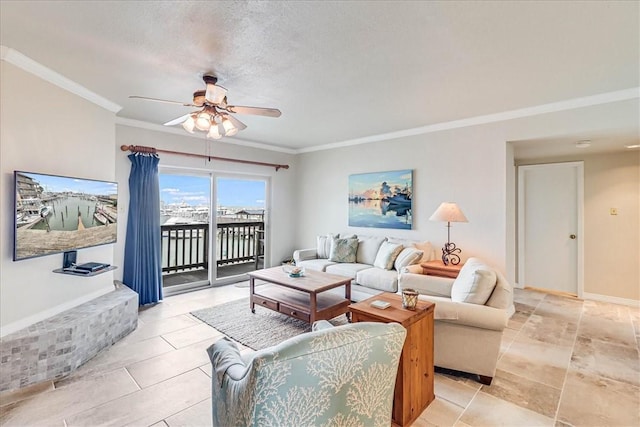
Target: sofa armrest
(413, 268)
(426, 285)
(475, 315)
(226, 360)
(304, 254)
(320, 325)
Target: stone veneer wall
(55, 347)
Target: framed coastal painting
(381, 199)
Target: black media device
(69, 259)
(91, 266)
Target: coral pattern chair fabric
(333, 376)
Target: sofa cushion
(427, 250)
(349, 269)
(378, 278)
(387, 254)
(368, 247)
(315, 264)
(323, 245)
(474, 283)
(343, 250)
(407, 257)
(502, 295)
(404, 242)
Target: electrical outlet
(613, 211)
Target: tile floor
(564, 362)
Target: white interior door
(550, 240)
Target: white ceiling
(338, 71)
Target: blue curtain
(142, 250)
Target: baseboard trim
(552, 292)
(614, 300)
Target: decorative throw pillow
(474, 283)
(427, 250)
(323, 245)
(387, 254)
(368, 247)
(343, 250)
(407, 257)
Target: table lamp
(449, 212)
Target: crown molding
(177, 131)
(570, 104)
(20, 60)
(27, 64)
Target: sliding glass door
(241, 237)
(185, 206)
(211, 240)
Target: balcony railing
(185, 247)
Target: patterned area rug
(263, 329)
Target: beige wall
(611, 242)
(48, 130)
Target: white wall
(48, 130)
(462, 166)
(473, 166)
(283, 208)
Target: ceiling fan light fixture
(214, 132)
(203, 121)
(213, 111)
(215, 94)
(189, 124)
(229, 128)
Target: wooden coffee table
(303, 297)
(414, 383)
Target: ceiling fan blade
(237, 123)
(256, 111)
(185, 104)
(177, 120)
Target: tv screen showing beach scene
(58, 213)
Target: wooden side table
(414, 383)
(437, 268)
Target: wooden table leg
(314, 307)
(347, 295)
(252, 288)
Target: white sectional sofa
(471, 313)
(374, 266)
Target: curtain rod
(143, 149)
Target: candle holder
(409, 299)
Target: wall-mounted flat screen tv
(58, 213)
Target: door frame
(579, 166)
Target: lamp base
(450, 254)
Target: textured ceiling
(337, 70)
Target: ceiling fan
(215, 114)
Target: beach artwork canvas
(381, 199)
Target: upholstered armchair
(331, 376)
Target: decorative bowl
(293, 270)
